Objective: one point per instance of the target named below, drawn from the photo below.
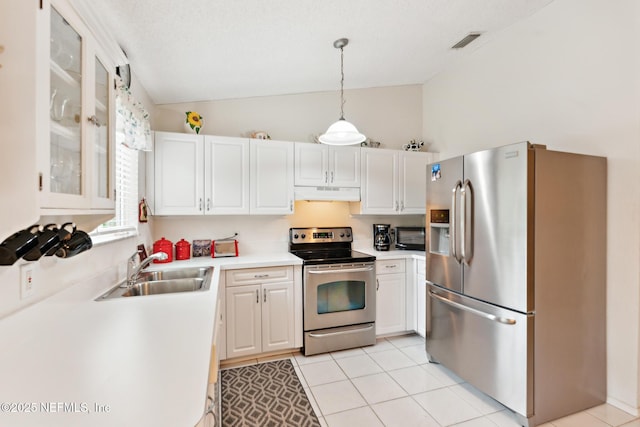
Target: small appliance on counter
(382, 237)
(410, 238)
(224, 247)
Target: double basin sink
(167, 281)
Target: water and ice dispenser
(439, 231)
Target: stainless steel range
(338, 288)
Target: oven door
(339, 295)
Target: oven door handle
(351, 331)
(337, 270)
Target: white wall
(567, 77)
(390, 115)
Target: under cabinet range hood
(337, 194)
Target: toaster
(224, 248)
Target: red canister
(183, 250)
(163, 245)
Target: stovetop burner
(325, 246)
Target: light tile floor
(393, 384)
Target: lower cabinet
(421, 298)
(260, 310)
(390, 296)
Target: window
(125, 222)
(132, 134)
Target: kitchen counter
(393, 254)
(72, 361)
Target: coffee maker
(382, 237)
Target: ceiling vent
(465, 41)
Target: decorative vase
(193, 122)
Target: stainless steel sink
(163, 282)
(164, 287)
(171, 274)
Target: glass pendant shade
(342, 132)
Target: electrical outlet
(27, 284)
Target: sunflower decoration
(194, 121)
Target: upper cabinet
(200, 175)
(393, 182)
(57, 115)
(226, 183)
(215, 175)
(76, 158)
(178, 170)
(320, 165)
(271, 177)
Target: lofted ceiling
(219, 49)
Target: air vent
(465, 41)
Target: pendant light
(341, 132)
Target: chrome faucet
(133, 272)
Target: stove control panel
(320, 235)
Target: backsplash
(263, 234)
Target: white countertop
(393, 254)
(147, 358)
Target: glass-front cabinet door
(100, 126)
(76, 164)
(66, 173)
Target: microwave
(410, 238)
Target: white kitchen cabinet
(76, 160)
(390, 297)
(244, 320)
(178, 174)
(271, 177)
(421, 298)
(260, 310)
(200, 175)
(54, 77)
(226, 171)
(318, 165)
(393, 182)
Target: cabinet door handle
(264, 292)
(332, 177)
(260, 276)
(94, 120)
(325, 177)
(390, 266)
(377, 285)
(402, 205)
(208, 204)
(396, 206)
(257, 296)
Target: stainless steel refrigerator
(516, 264)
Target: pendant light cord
(342, 83)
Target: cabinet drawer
(251, 276)
(388, 266)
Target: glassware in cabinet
(65, 108)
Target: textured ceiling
(213, 49)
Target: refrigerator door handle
(503, 320)
(464, 254)
(454, 233)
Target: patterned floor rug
(268, 394)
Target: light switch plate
(27, 284)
